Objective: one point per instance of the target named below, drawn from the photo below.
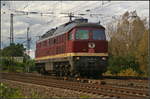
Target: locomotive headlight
(103, 58)
(91, 45)
(77, 58)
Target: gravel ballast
(36, 91)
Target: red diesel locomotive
(76, 48)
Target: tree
(125, 34)
(142, 52)
(13, 50)
(128, 39)
(9, 55)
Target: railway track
(130, 83)
(123, 83)
(105, 90)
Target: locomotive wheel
(73, 74)
(60, 74)
(43, 71)
(38, 70)
(77, 75)
(57, 70)
(67, 70)
(61, 71)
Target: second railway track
(105, 90)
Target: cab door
(70, 41)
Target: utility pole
(0, 41)
(28, 41)
(11, 29)
(28, 46)
(148, 58)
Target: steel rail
(84, 87)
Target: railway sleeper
(40, 82)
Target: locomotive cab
(91, 40)
(90, 46)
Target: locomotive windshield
(82, 34)
(98, 35)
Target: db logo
(91, 45)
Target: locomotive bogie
(75, 65)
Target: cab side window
(70, 36)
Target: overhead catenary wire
(18, 13)
(41, 13)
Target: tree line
(14, 59)
(128, 45)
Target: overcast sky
(40, 24)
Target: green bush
(11, 65)
(6, 92)
(30, 64)
(14, 66)
(120, 63)
(128, 72)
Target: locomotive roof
(66, 28)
